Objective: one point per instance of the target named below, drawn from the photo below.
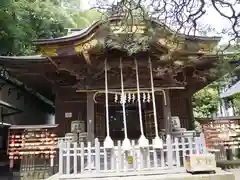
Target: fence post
(97, 155)
(169, 151)
(60, 162)
(155, 157)
(105, 159)
(177, 154)
(82, 156)
(197, 145)
(183, 150)
(148, 158)
(51, 165)
(190, 145)
(90, 162)
(68, 157)
(75, 166)
(113, 159)
(134, 155)
(203, 144)
(119, 157)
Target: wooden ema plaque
(200, 163)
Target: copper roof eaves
(20, 59)
(84, 32)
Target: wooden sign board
(68, 114)
(200, 163)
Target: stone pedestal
(78, 132)
(71, 136)
(201, 163)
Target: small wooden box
(200, 163)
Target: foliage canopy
(205, 103)
(25, 20)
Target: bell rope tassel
(108, 142)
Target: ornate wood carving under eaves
(199, 46)
(170, 72)
(170, 44)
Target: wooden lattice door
(149, 124)
(100, 125)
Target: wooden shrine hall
(91, 76)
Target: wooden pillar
(90, 116)
(168, 127)
(167, 112)
(59, 116)
(190, 120)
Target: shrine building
(91, 76)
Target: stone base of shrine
(178, 175)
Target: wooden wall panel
(100, 127)
(68, 101)
(181, 107)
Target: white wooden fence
(79, 158)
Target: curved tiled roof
(85, 32)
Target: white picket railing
(78, 158)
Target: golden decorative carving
(78, 48)
(89, 45)
(169, 44)
(203, 47)
(85, 47)
(49, 50)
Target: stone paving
(220, 175)
(236, 173)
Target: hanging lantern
(11, 157)
(53, 135)
(18, 136)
